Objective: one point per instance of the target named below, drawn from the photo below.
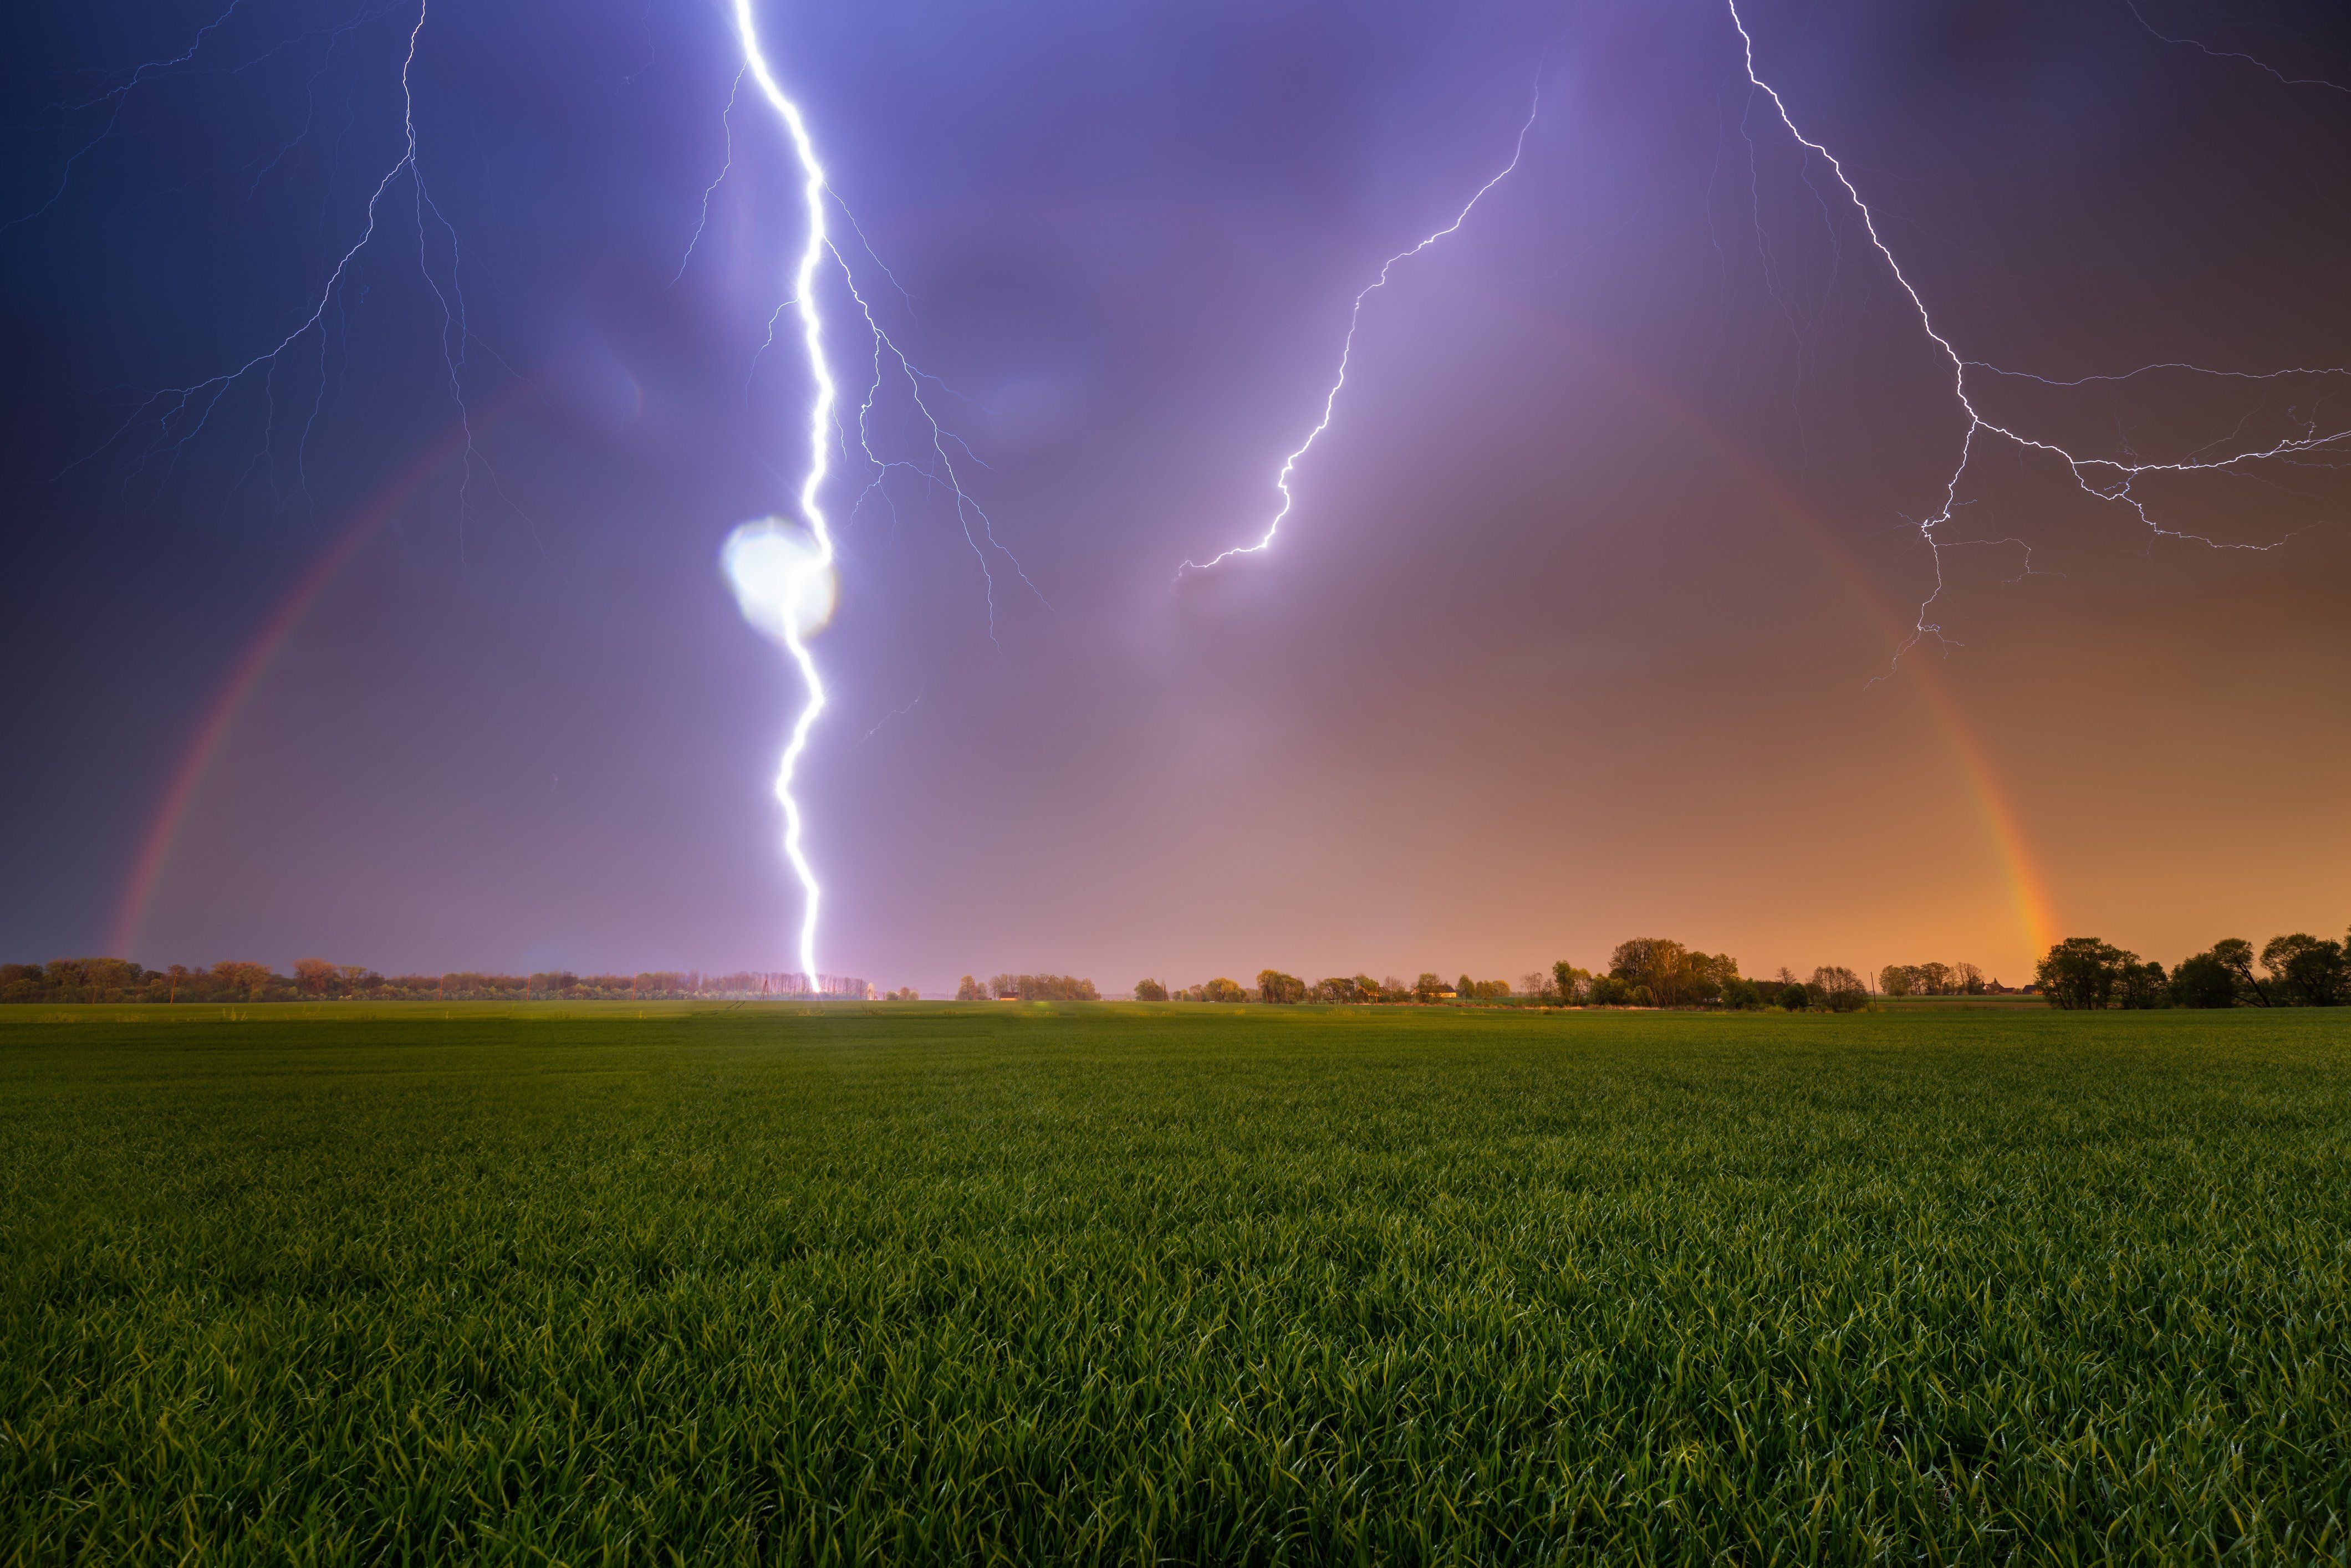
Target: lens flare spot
(782, 580)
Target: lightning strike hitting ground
(2107, 479)
(1347, 349)
(814, 247)
(815, 558)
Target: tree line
(315, 979)
(1645, 971)
(2297, 970)
(1028, 989)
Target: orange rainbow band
(261, 651)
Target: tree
(1428, 986)
(1897, 979)
(1841, 989)
(1742, 994)
(2235, 954)
(2143, 985)
(1794, 998)
(1574, 985)
(2309, 971)
(969, 990)
(1221, 989)
(1273, 985)
(2203, 981)
(250, 979)
(1465, 988)
(1150, 991)
(2081, 972)
(314, 976)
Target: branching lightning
(2254, 60)
(1347, 349)
(175, 416)
(814, 246)
(2108, 479)
(890, 362)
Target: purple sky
(1571, 635)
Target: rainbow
(261, 653)
(2027, 889)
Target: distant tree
(1150, 991)
(234, 977)
(2082, 972)
(1347, 990)
(2203, 981)
(1221, 989)
(314, 976)
(1042, 989)
(1794, 997)
(1429, 987)
(2308, 971)
(1742, 994)
(2235, 954)
(1840, 988)
(1966, 980)
(1898, 979)
(2143, 985)
(1273, 985)
(1652, 964)
(969, 990)
(1570, 984)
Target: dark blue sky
(1570, 635)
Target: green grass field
(1018, 1284)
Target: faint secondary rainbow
(261, 650)
(2026, 888)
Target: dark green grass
(1181, 1283)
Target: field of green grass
(1114, 1283)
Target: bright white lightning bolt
(795, 630)
(2103, 478)
(1347, 348)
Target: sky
(1589, 621)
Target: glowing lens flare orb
(782, 578)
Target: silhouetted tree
(2081, 972)
(1150, 991)
(2308, 971)
(2203, 981)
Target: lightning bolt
(891, 366)
(1347, 349)
(2253, 60)
(814, 246)
(176, 416)
(2107, 479)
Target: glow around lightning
(792, 573)
(1347, 349)
(2105, 478)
